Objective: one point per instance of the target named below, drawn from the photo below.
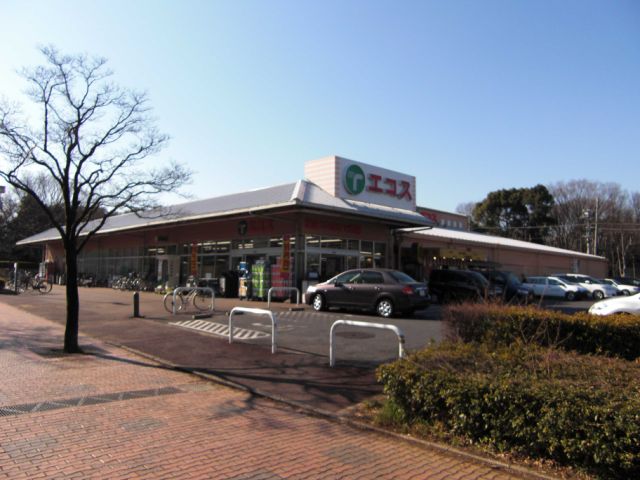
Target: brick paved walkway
(111, 414)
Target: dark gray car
(383, 290)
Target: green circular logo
(354, 180)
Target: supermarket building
(344, 214)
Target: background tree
(520, 213)
(8, 211)
(91, 138)
(598, 218)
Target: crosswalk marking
(220, 330)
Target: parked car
(629, 304)
(623, 288)
(383, 290)
(596, 288)
(555, 287)
(459, 285)
(628, 281)
(508, 286)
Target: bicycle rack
(353, 323)
(289, 289)
(255, 311)
(190, 289)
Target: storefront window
(244, 244)
(333, 243)
(313, 241)
(275, 242)
(351, 262)
(366, 254)
(313, 266)
(379, 254)
(353, 244)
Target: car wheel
(318, 303)
(625, 292)
(598, 295)
(570, 296)
(384, 308)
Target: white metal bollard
(353, 323)
(255, 311)
(289, 289)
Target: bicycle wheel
(168, 302)
(44, 286)
(202, 301)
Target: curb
(336, 418)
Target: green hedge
(582, 411)
(617, 335)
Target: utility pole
(587, 215)
(595, 234)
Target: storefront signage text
(355, 181)
(375, 185)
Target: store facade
(295, 232)
(343, 215)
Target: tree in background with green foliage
(520, 213)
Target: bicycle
(32, 283)
(200, 299)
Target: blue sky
(468, 96)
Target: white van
(596, 288)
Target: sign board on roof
(353, 180)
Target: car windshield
(512, 279)
(480, 279)
(402, 277)
(347, 277)
(569, 280)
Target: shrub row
(617, 335)
(577, 410)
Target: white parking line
(220, 330)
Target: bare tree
(92, 138)
(599, 218)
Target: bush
(617, 335)
(577, 410)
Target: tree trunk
(73, 303)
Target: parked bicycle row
(133, 282)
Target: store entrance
(332, 265)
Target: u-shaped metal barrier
(353, 323)
(255, 311)
(288, 289)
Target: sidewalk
(111, 414)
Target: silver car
(554, 287)
(623, 288)
(597, 289)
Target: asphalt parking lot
(298, 329)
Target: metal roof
(490, 240)
(302, 194)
